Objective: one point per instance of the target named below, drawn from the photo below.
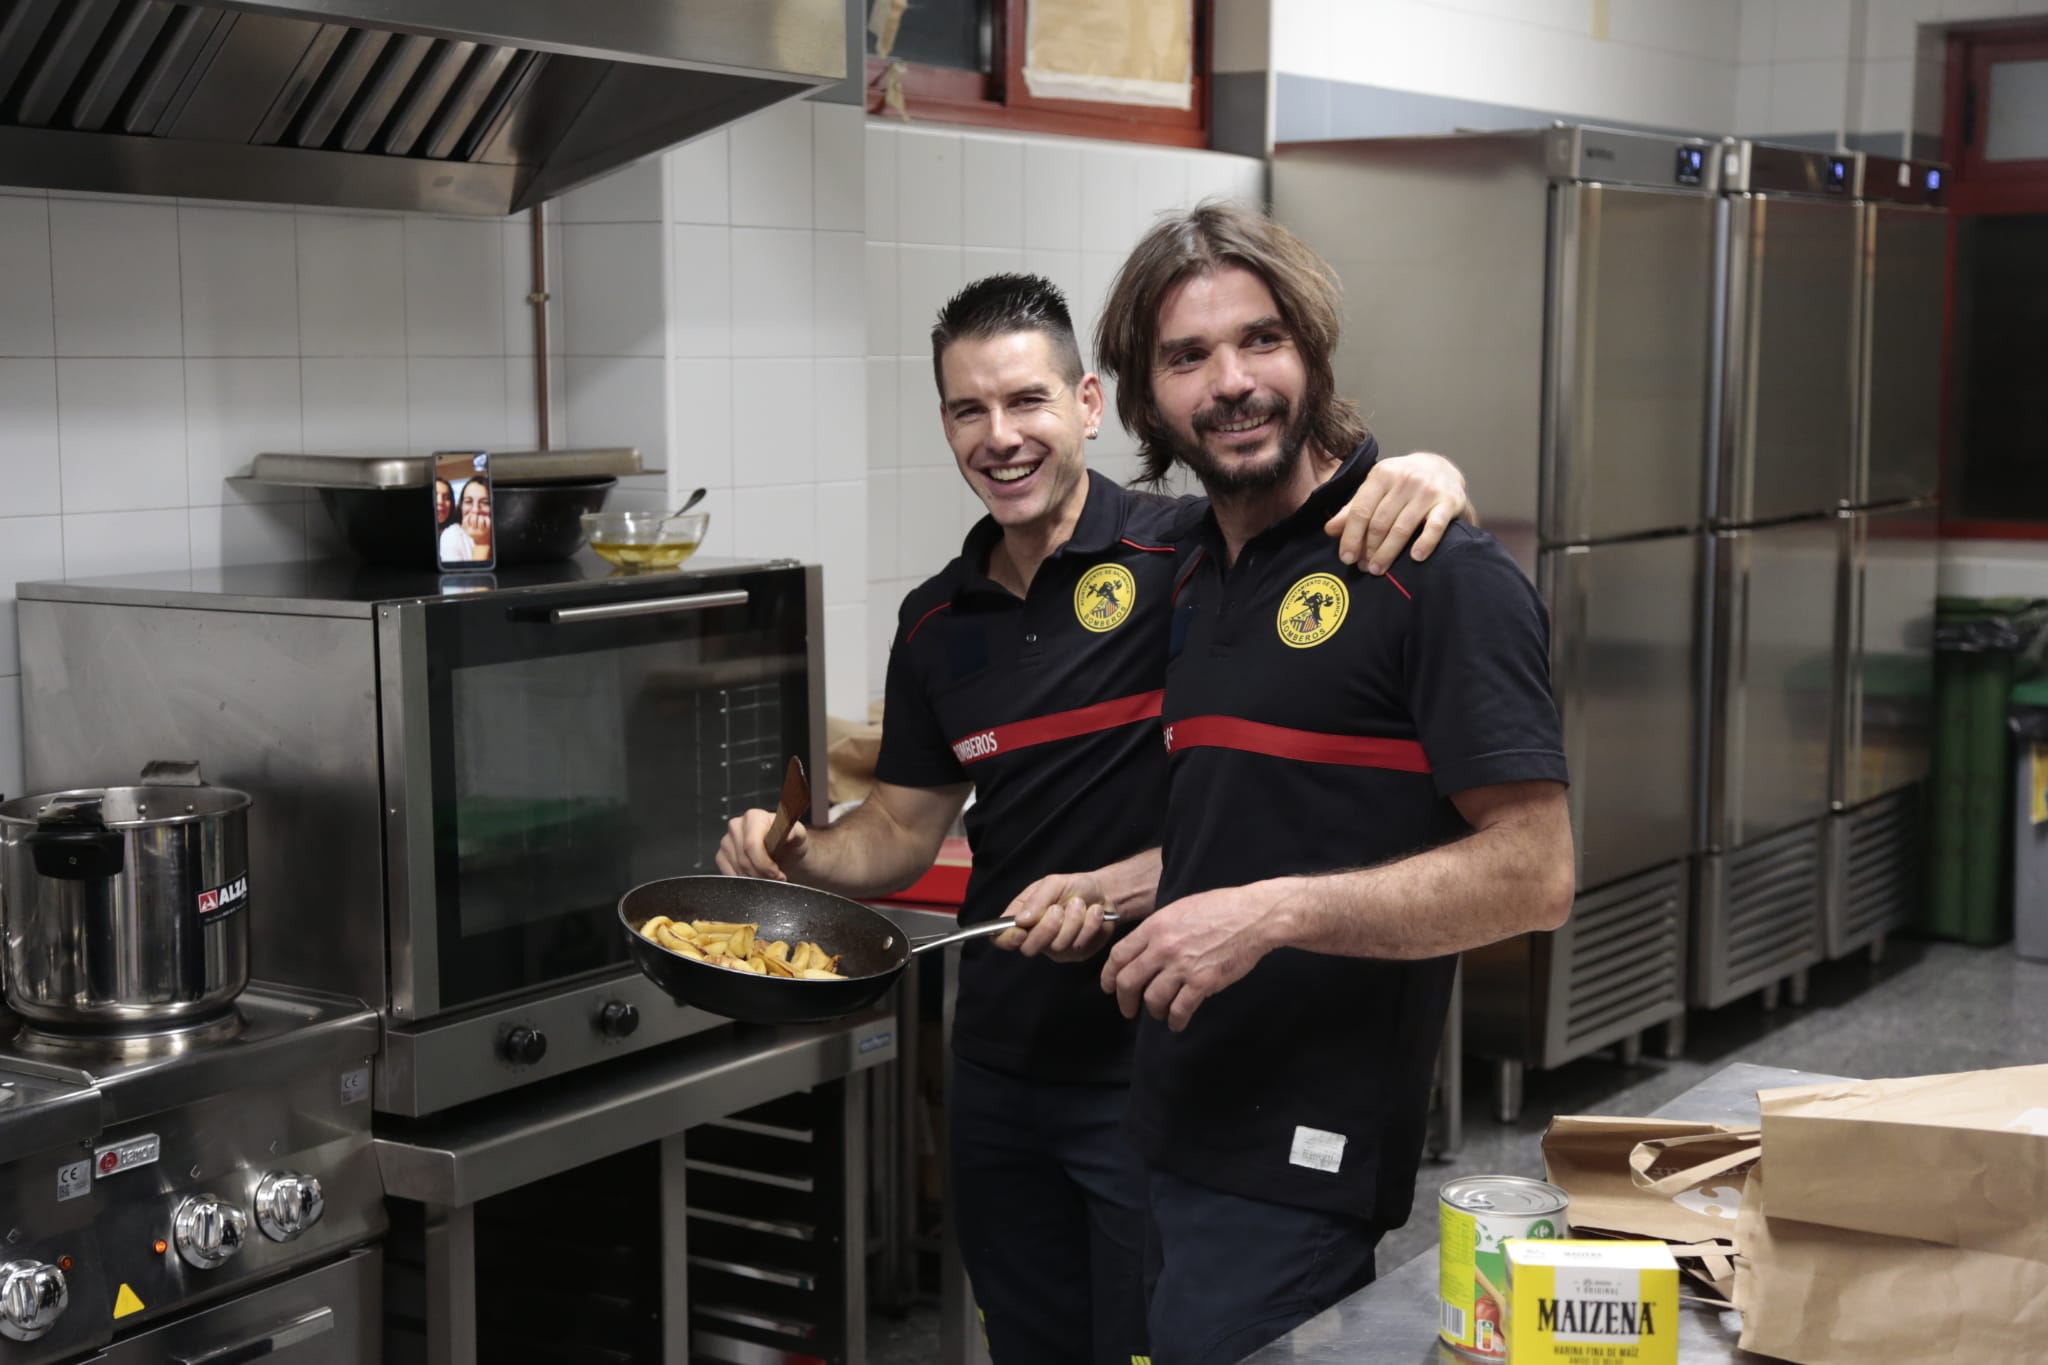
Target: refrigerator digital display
(1691, 164)
(1838, 174)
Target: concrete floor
(1926, 1008)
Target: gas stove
(144, 1175)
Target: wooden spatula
(796, 799)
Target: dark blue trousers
(1049, 1208)
(1227, 1274)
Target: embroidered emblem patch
(1104, 597)
(1312, 610)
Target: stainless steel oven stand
(649, 1098)
(450, 1243)
(961, 1340)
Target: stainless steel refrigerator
(1789, 305)
(1877, 837)
(1539, 306)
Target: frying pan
(872, 950)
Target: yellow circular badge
(1312, 610)
(1104, 597)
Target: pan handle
(987, 930)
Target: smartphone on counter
(463, 538)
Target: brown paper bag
(1959, 1159)
(851, 751)
(1827, 1296)
(1678, 1182)
(1686, 1188)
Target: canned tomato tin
(1477, 1214)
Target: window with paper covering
(1132, 70)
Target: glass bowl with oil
(642, 541)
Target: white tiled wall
(149, 348)
(1668, 63)
(944, 207)
(1752, 67)
(715, 314)
(1851, 66)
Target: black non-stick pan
(872, 950)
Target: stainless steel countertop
(511, 1140)
(1394, 1319)
(283, 1031)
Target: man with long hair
(1028, 671)
(1366, 776)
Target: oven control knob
(618, 1019)
(208, 1230)
(524, 1046)
(287, 1204)
(32, 1297)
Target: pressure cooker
(125, 909)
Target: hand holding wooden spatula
(796, 799)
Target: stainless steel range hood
(453, 106)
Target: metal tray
(413, 471)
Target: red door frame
(1977, 189)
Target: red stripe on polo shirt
(1303, 746)
(1085, 720)
(1149, 549)
(924, 618)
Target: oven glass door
(574, 759)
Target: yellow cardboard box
(1588, 1303)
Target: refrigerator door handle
(1562, 496)
(1842, 724)
(1859, 590)
(1866, 313)
(1736, 715)
(1569, 626)
(1742, 325)
(1752, 277)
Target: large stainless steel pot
(124, 908)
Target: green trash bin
(1978, 646)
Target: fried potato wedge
(740, 948)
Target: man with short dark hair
(1029, 671)
(1366, 776)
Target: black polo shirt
(1317, 720)
(1049, 705)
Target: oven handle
(292, 1333)
(653, 606)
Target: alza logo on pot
(224, 897)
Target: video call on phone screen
(462, 511)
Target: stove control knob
(618, 1019)
(208, 1230)
(32, 1297)
(287, 1204)
(524, 1046)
